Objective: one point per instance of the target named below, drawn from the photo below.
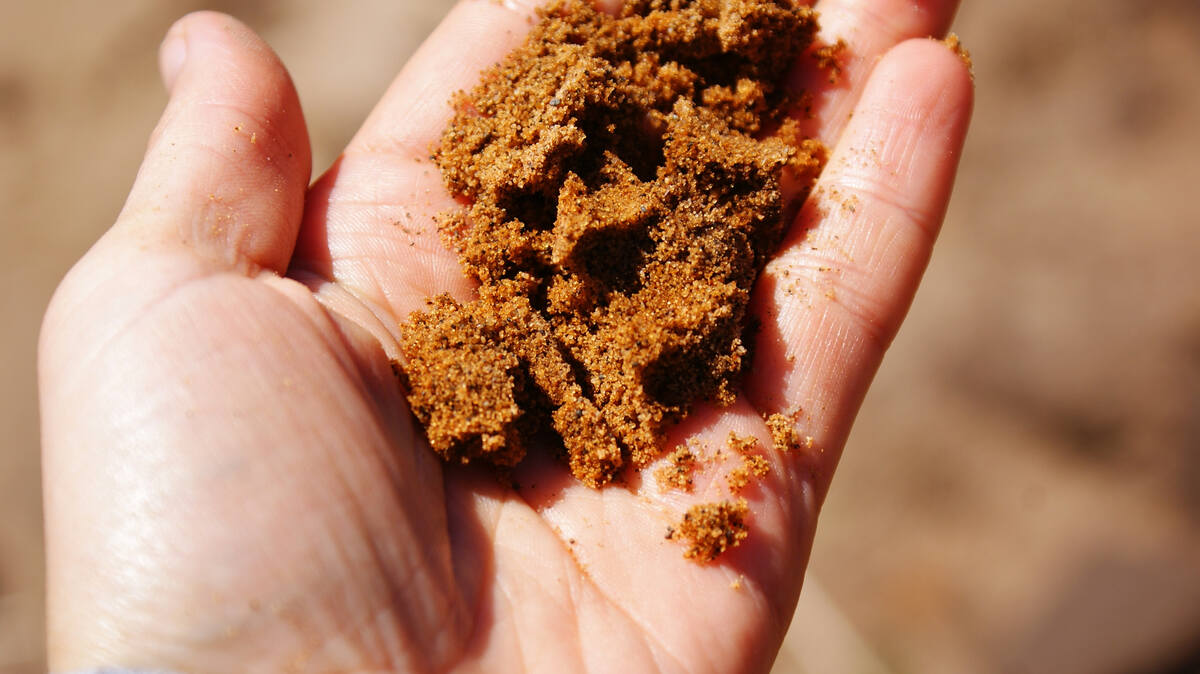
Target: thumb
(228, 165)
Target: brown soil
(784, 435)
(681, 465)
(829, 58)
(754, 464)
(621, 205)
(955, 44)
(712, 528)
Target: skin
(233, 481)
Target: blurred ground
(1022, 493)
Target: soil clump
(709, 529)
(623, 176)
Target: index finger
(369, 222)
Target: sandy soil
(1022, 493)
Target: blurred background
(1022, 491)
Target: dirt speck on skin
(622, 203)
(754, 465)
(955, 45)
(829, 59)
(783, 432)
(678, 472)
(709, 529)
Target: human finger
(832, 300)
(227, 166)
(868, 29)
(369, 224)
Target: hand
(233, 481)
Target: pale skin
(234, 483)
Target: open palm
(233, 481)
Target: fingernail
(171, 55)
